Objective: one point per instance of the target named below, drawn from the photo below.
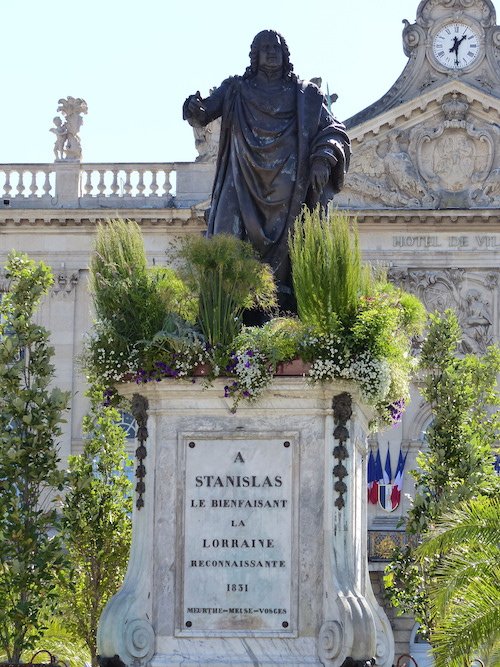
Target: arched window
(128, 424)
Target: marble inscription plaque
(238, 565)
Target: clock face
(456, 45)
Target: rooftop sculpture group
(280, 148)
(67, 145)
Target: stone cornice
(192, 219)
(427, 217)
(186, 219)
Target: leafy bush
(257, 353)
(328, 275)
(96, 522)
(352, 323)
(228, 278)
(464, 397)
(31, 413)
(131, 300)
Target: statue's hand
(320, 173)
(193, 107)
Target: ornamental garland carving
(470, 294)
(139, 409)
(342, 412)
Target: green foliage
(58, 640)
(353, 324)
(31, 411)
(328, 274)
(464, 592)
(130, 299)
(463, 395)
(96, 522)
(227, 278)
(277, 340)
(174, 351)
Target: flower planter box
(296, 367)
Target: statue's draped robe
(270, 135)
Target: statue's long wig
(251, 70)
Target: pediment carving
(450, 160)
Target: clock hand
(454, 49)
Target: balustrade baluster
(88, 182)
(114, 184)
(154, 182)
(127, 187)
(33, 185)
(7, 186)
(140, 183)
(46, 184)
(101, 186)
(20, 184)
(167, 186)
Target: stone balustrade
(130, 185)
(27, 182)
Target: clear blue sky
(135, 63)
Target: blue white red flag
(377, 478)
(385, 485)
(370, 476)
(398, 480)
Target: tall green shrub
(227, 278)
(31, 413)
(124, 292)
(328, 274)
(131, 300)
(464, 397)
(96, 522)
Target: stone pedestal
(67, 182)
(249, 535)
(194, 183)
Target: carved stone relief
(482, 10)
(454, 155)
(451, 160)
(64, 283)
(470, 294)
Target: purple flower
(396, 410)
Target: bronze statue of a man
(280, 148)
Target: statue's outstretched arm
(200, 111)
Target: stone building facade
(424, 185)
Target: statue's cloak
(269, 138)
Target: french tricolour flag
(376, 477)
(385, 484)
(398, 480)
(370, 476)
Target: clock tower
(455, 40)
